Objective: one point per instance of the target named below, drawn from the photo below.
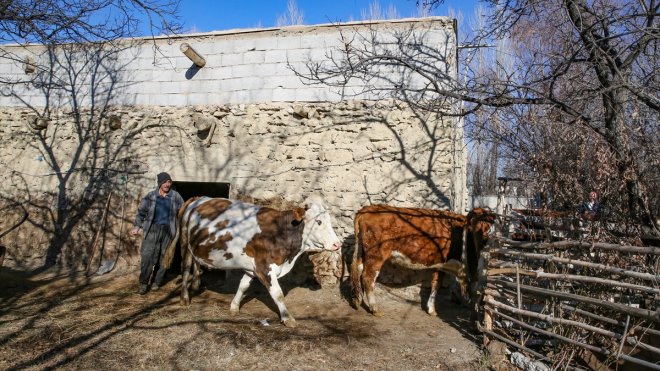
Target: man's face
(165, 187)
(593, 196)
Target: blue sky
(212, 15)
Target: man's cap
(162, 178)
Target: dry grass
(100, 323)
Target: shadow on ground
(100, 322)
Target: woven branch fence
(573, 304)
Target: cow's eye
(318, 222)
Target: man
(589, 209)
(157, 217)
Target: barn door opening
(189, 190)
(193, 189)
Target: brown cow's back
(412, 238)
(423, 235)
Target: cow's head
(318, 233)
(480, 221)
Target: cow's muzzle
(335, 247)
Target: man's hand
(135, 231)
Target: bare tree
(375, 12)
(86, 154)
(578, 75)
(577, 65)
(57, 21)
(482, 169)
(292, 17)
(76, 71)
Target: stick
(550, 319)
(569, 308)
(569, 244)
(210, 136)
(574, 342)
(552, 258)
(574, 277)
(98, 232)
(513, 343)
(518, 296)
(121, 225)
(644, 313)
(501, 294)
(623, 340)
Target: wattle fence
(572, 304)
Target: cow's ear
(299, 214)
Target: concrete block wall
(242, 66)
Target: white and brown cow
(218, 233)
(418, 239)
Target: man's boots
(143, 289)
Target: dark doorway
(192, 189)
(189, 190)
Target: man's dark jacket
(145, 213)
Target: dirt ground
(101, 323)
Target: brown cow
(415, 239)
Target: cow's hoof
(377, 313)
(289, 322)
(234, 311)
(184, 301)
(355, 303)
(432, 312)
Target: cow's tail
(356, 266)
(171, 248)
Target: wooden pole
(192, 54)
(488, 321)
(519, 297)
